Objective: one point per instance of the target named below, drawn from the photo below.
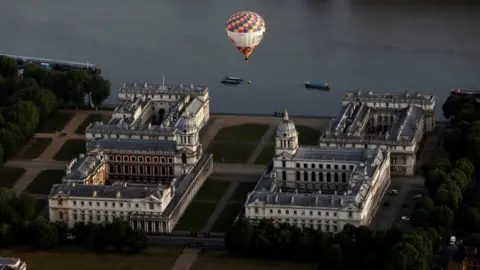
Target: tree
(238, 237)
(137, 240)
(42, 76)
(98, 89)
(459, 178)
(8, 142)
(43, 99)
(8, 67)
(425, 203)
(434, 179)
(25, 206)
(449, 194)
(1, 155)
(7, 238)
(465, 166)
(420, 218)
(470, 218)
(442, 216)
(45, 236)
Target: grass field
(36, 148)
(80, 260)
(44, 181)
(40, 204)
(221, 261)
(241, 133)
(266, 155)
(241, 191)
(10, 175)
(56, 122)
(212, 190)
(195, 217)
(94, 117)
(227, 217)
(70, 150)
(230, 152)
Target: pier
(60, 65)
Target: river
(384, 45)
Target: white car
(393, 192)
(418, 196)
(405, 218)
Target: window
(184, 158)
(305, 165)
(294, 212)
(319, 213)
(328, 166)
(334, 214)
(284, 164)
(147, 159)
(366, 146)
(155, 159)
(271, 211)
(336, 167)
(112, 158)
(82, 203)
(136, 205)
(335, 175)
(320, 176)
(305, 176)
(352, 167)
(287, 212)
(60, 215)
(279, 211)
(298, 165)
(98, 218)
(113, 204)
(298, 176)
(313, 166)
(155, 170)
(151, 206)
(125, 158)
(327, 214)
(119, 158)
(89, 203)
(329, 177)
(75, 216)
(284, 175)
(105, 204)
(149, 170)
(162, 160)
(140, 159)
(256, 210)
(170, 170)
(133, 159)
(121, 204)
(311, 213)
(344, 177)
(98, 203)
(320, 166)
(74, 202)
(313, 177)
(60, 201)
(344, 167)
(111, 168)
(170, 160)
(350, 214)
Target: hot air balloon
(245, 29)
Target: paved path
(25, 180)
(260, 145)
(208, 226)
(186, 260)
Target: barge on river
(57, 65)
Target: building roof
(81, 167)
(286, 126)
(126, 191)
(132, 146)
(157, 89)
(366, 162)
(367, 95)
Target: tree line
(461, 140)
(19, 226)
(28, 98)
(448, 202)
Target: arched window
(344, 177)
(119, 168)
(140, 169)
(305, 176)
(298, 176)
(336, 177)
(313, 177)
(184, 158)
(134, 169)
(284, 175)
(111, 168)
(163, 170)
(125, 169)
(329, 177)
(170, 170)
(320, 176)
(149, 170)
(155, 170)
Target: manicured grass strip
(231, 153)
(212, 190)
(242, 133)
(70, 150)
(195, 217)
(94, 117)
(44, 181)
(227, 217)
(77, 259)
(36, 148)
(240, 193)
(266, 155)
(10, 175)
(55, 122)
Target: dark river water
(428, 46)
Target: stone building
(319, 187)
(152, 143)
(394, 122)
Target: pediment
(350, 207)
(186, 151)
(151, 198)
(256, 203)
(285, 155)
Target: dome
(286, 128)
(186, 123)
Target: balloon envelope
(245, 29)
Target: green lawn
(44, 181)
(231, 153)
(40, 204)
(221, 260)
(227, 217)
(94, 117)
(195, 217)
(36, 148)
(212, 190)
(76, 259)
(266, 155)
(70, 150)
(240, 193)
(10, 175)
(241, 133)
(55, 122)
(306, 135)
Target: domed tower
(286, 139)
(188, 144)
